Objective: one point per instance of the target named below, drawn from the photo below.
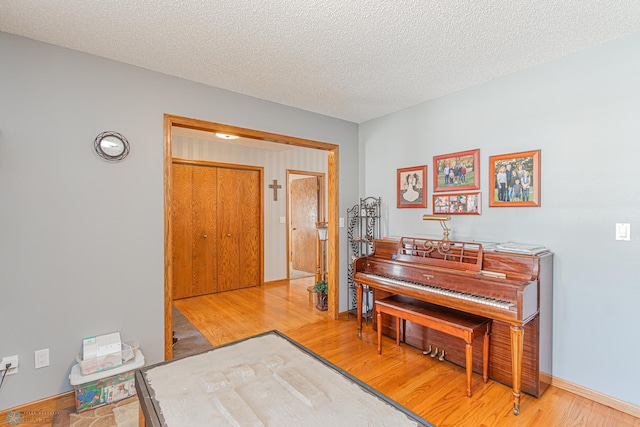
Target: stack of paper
(520, 248)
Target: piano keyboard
(505, 305)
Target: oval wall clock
(111, 146)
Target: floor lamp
(321, 261)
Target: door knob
(228, 235)
(205, 236)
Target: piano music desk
(452, 322)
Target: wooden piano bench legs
(452, 322)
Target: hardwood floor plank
(435, 390)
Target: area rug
(268, 379)
(127, 415)
(124, 413)
(298, 274)
(189, 340)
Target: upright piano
(513, 290)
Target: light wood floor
(434, 390)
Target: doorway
(305, 204)
(171, 121)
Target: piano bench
(452, 322)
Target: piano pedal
(435, 353)
(427, 351)
(441, 358)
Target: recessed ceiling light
(225, 136)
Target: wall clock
(111, 146)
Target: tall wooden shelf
(363, 227)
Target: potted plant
(321, 287)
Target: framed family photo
(514, 179)
(457, 204)
(457, 171)
(412, 187)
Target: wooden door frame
(321, 207)
(332, 207)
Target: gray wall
(583, 112)
(81, 247)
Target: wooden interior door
(304, 200)
(194, 230)
(205, 259)
(239, 230)
(249, 214)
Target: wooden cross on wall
(275, 187)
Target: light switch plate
(623, 231)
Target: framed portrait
(457, 204)
(412, 187)
(514, 179)
(457, 171)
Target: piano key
(505, 305)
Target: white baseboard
(612, 402)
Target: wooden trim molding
(216, 164)
(321, 205)
(597, 397)
(333, 213)
(41, 412)
(276, 282)
(333, 264)
(168, 268)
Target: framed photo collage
(514, 181)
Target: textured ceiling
(350, 59)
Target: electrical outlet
(13, 360)
(42, 358)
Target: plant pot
(322, 302)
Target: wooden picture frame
(503, 191)
(412, 187)
(457, 203)
(457, 171)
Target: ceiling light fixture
(225, 136)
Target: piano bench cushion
(453, 322)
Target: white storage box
(105, 387)
(108, 361)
